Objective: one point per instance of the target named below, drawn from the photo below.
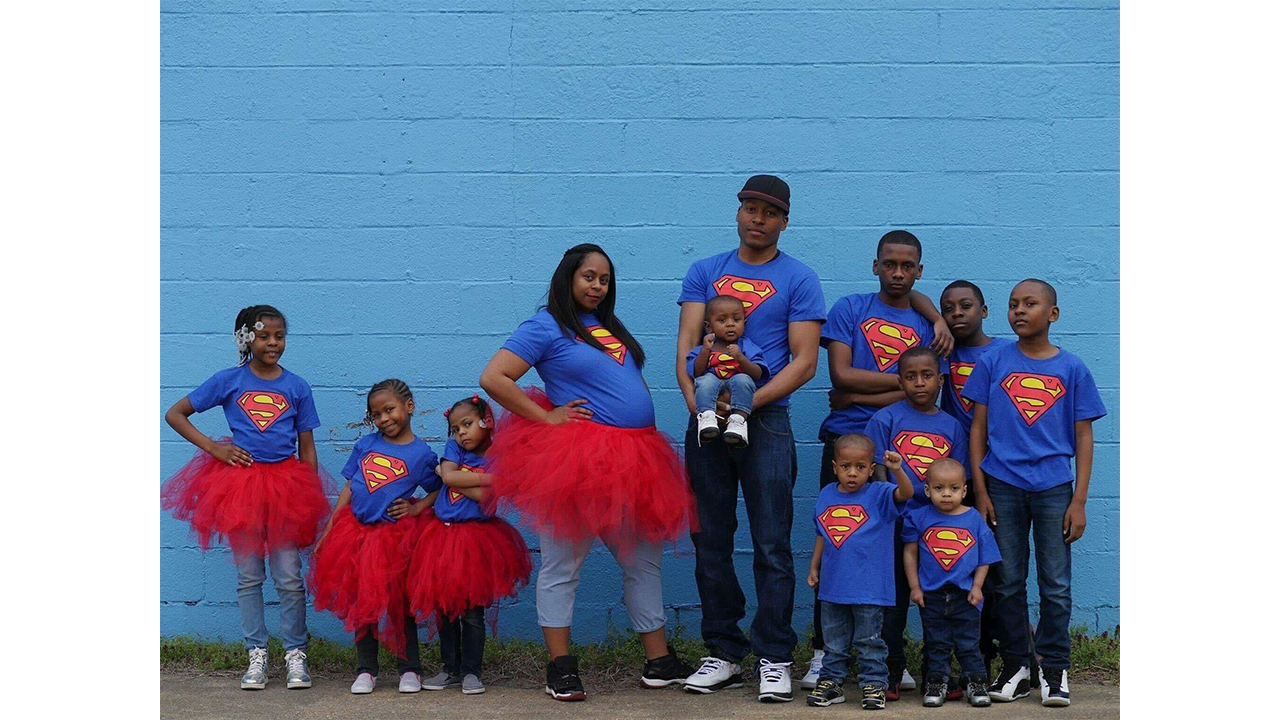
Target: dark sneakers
(976, 691)
(895, 684)
(935, 690)
(563, 682)
(1014, 682)
(872, 697)
(826, 692)
(666, 670)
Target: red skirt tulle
(358, 574)
(457, 566)
(255, 509)
(583, 479)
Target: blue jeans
(1020, 517)
(950, 622)
(286, 571)
(856, 626)
(766, 470)
(707, 387)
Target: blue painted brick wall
(401, 178)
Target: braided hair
(476, 403)
(247, 322)
(395, 386)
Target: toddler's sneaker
(295, 662)
(363, 685)
(563, 681)
(1053, 688)
(708, 426)
(908, 682)
(410, 682)
(441, 681)
(976, 691)
(827, 692)
(471, 685)
(255, 678)
(775, 679)
(935, 690)
(872, 697)
(714, 674)
(735, 431)
(1013, 682)
(666, 670)
(810, 679)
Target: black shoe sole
(708, 435)
(734, 681)
(775, 698)
(659, 683)
(815, 702)
(574, 696)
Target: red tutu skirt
(255, 509)
(583, 479)
(358, 574)
(458, 566)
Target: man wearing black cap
(784, 314)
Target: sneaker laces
(774, 672)
(296, 660)
(711, 666)
(815, 665)
(258, 659)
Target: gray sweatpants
(641, 583)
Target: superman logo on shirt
(753, 293)
(919, 450)
(841, 521)
(888, 341)
(612, 345)
(1033, 394)
(455, 495)
(947, 544)
(724, 365)
(263, 408)
(959, 373)
(379, 469)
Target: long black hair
(562, 307)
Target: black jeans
(367, 651)
(951, 623)
(462, 643)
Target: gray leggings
(641, 583)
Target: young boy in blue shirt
(1034, 407)
(946, 583)
(853, 557)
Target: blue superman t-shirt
(952, 547)
(724, 367)
(451, 505)
(877, 335)
(956, 370)
(265, 416)
(920, 438)
(857, 555)
(381, 472)
(781, 291)
(1032, 408)
(609, 379)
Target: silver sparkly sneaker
(295, 663)
(255, 678)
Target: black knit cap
(768, 188)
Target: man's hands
(1073, 522)
(982, 503)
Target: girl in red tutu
(468, 559)
(584, 460)
(361, 562)
(252, 492)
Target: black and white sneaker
(975, 691)
(563, 682)
(1014, 682)
(935, 690)
(775, 681)
(827, 692)
(714, 675)
(666, 670)
(1053, 688)
(872, 697)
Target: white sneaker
(715, 674)
(363, 685)
(810, 679)
(295, 663)
(708, 426)
(1054, 691)
(255, 678)
(1011, 684)
(735, 431)
(775, 681)
(410, 682)
(908, 682)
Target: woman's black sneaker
(666, 670)
(827, 692)
(935, 690)
(563, 682)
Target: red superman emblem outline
(263, 407)
(841, 521)
(752, 292)
(947, 544)
(1033, 394)
(379, 474)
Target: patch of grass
(610, 664)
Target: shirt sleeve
(978, 387)
(212, 392)
(988, 549)
(892, 509)
(806, 299)
(840, 323)
(530, 341)
(878, 430)
(1088, 401)
(910, 533)
(694, 287)
(452, 452)
(307, 418)
(693, 355)
(756, 355)
(430, 481)
(352, 468)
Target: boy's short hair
(856, 440)
(944, 464)
(919, 351)
(900, 237)
(964, 284)
(721, 300)
(1052, 293)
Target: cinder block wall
(401, 179)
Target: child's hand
(734, 351)
(401, 508)
(1073, 522)
(942, 339)
(439, 471)
(232, 454)
(892, 460)
(571, 410)
(975, 597)
(708, 340)
(813, 577)
(917, 597)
